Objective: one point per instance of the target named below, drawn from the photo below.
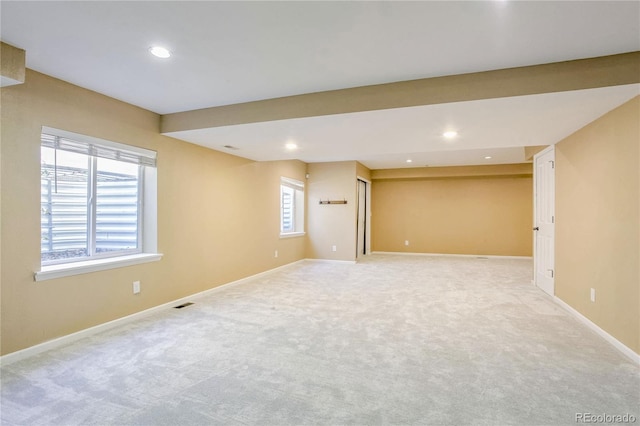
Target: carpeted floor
(408, 340)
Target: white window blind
(59, 139)
(287, 212)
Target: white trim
(292, 183)
(347, 262)
(489, 256)
(297, 207)
(292, 234)
(150, 210)
(367, 212)
(609, 338)
(51, 272)
(73, 337)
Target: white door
(544, 219)
(361, 242)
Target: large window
(291, 207)
(92, 197)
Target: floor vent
(184, 305)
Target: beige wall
(531, 151)
(332, 224)
(598, 222)
(218, 216)
(455, 215)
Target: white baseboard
(489, 256)
(73, 337)
(346, 262)
(609, 338)
(70, 338)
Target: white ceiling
(231, 52)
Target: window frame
(297, 207)
(146, 204)
(92, 219)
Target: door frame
(534, 280)
(367, 216)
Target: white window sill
(76, 268)
(292, 234)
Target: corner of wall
(331, 227)
(598, 222)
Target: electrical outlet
(593, 294)
(334, 248)
(406, 242)
(276, 253)
(136, 287)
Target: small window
(92, 197)
(291, 207)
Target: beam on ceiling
(494, 170)
(579, 74)
(12, 65)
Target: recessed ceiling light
(488, 157)
(450, 134)
(409, 161)
(291, 146)
(160, 52)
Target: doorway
(544, 220)
(363, 234)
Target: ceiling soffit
(580, 74)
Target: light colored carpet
(390, 340)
